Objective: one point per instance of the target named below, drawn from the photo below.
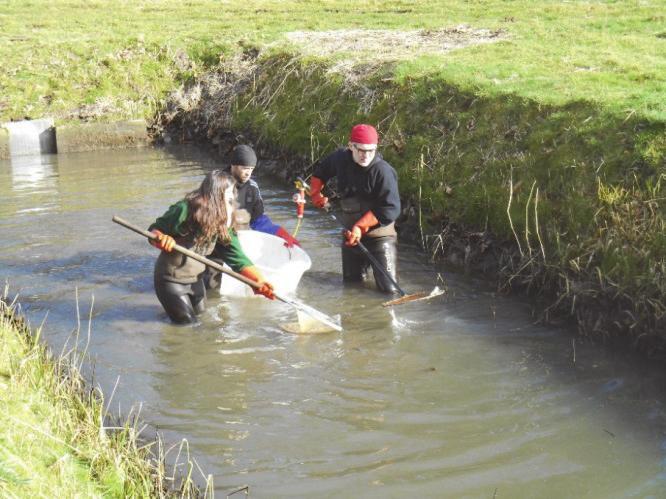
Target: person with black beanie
(250, 210)
(243, 163)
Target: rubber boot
(354, 265)
(385, 251)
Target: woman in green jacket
(197, 222)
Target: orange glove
(164, 241)
(360, 228)
(265, 289)
(289, 239)
(316, 185)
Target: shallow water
(461, 396)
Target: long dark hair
(207, 211)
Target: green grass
(55, 440)
(58, 56)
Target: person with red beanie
(370, 202)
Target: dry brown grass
(391, 44)
(358, 52)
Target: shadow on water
(461, 396)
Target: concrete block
(30, 137)
(93, 136)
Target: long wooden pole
(315, 314)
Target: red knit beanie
(363, 134)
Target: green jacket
(179, 268)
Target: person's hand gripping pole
(360, 228)
(162, 241)
(316, 185)
(265, 288)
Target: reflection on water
(35, 178)
(461, 396)
(36, 174)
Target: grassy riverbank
(561, 201)
(55, 440)
(530, 137)
(74, 59)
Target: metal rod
(371, 257)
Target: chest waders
(380, 242)
(182, 302)
(179, 283)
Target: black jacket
(249, 198)
(375, 184)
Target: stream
(460, 396)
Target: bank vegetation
(57, 439)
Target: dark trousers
(355, 264)
(182, 302)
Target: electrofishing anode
(299, 199)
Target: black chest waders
(179, 285)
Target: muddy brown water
(462, 396)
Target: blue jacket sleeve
(263, 223)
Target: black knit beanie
(243, 156)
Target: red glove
(164, 241)
(290, 241)
(360, 228)
(316, 185)
(266, 288)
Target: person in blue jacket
(250, 207)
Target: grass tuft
(57, 439)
